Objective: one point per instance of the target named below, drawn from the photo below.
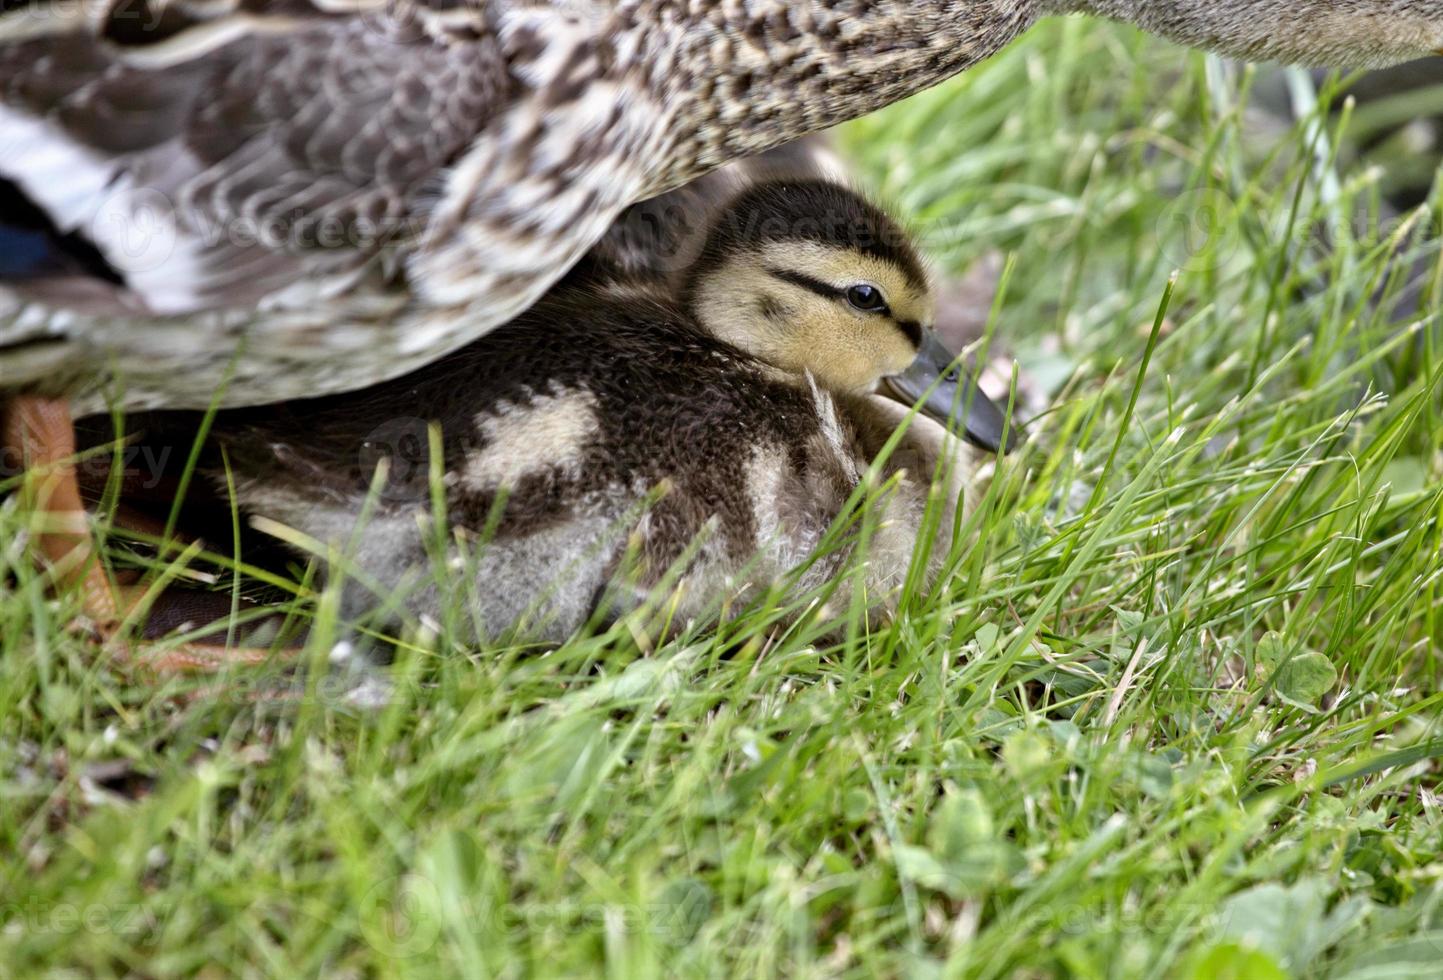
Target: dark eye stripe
(807, 282)
(819, 287)
(911, 329)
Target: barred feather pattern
(1325, 33)
(310, 196)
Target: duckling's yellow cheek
(895, 353)
(900, 361)
(854, 357)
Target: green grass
(1175, 715)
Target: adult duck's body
(314, 197)
(620, 437)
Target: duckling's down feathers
(651, 398)
(596, 430)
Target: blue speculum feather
(25, 253)
(32, 247)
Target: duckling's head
(811, 277)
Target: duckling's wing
(218, 153)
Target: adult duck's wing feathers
(217, 154)
(313, 195)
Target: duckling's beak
(938, 382)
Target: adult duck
(298, 197)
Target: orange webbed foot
(40, 432)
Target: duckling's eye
(866, 298)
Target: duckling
(241, 202)
(606, 442)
